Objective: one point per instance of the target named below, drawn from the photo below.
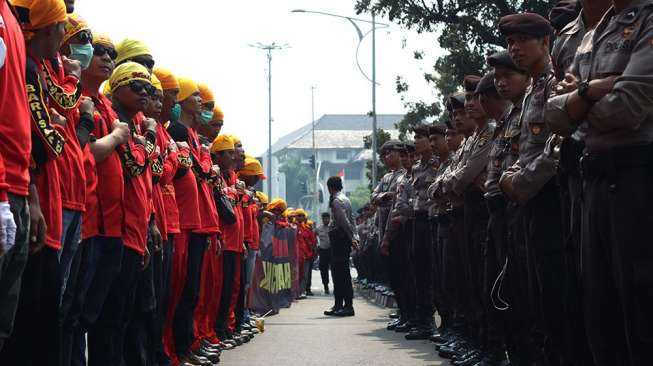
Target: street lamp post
(316, 211)
(269, 48)
(361, 36)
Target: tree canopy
(467, 30)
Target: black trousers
(12, 264)
(547, 271)
(325, 261)
(229, 259)
(444, 298)
(422, 268)
(571, 192)
(38, 314)
(343, 291)
(139, 345)
(182, 327)
(475, 224)
(106, 338)
(73, 300)
(399, 272)
(162, 271)
(454, 283)
(239, 309)
(618, 257)
(100, 267)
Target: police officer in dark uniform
(505, 261)
(614, 101)
(531, 182)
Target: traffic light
(312, 161)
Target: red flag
(341, 174)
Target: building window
(342, 155)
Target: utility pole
(269, 48)
(374, 137)
(316, 210)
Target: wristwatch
(583, 90)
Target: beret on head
(525, 23)
(457, 101)
(470, 82)
(486, 85)
(392, 145)
(502, 58)
(564, 12)
(421, 129)
(409, 146)
(438, 129)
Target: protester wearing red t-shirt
(15, 147)
(102, 245)
(38, 307)
(224, 155)
(130, 83)
(250, 173)
(198, 221)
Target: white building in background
(339, 141)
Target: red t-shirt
(233, 235)
(251, 209)
(186, 192)
(170, 166)
(305, 241)
(136, 158)
(64, 92)
(110, 178)
(15, 136)
(207, 210)
(47, 147)
(90, 224)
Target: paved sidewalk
(303, 336)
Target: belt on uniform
(496, 203)
(606, 164)
(456, 212)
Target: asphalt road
(303, 336)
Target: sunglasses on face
(100, 50)
(137, 86)
(85, 37)
(147, 62)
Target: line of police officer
(524, 221)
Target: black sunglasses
(85, 37)
(100, 50)
(137, 86)
(147, 62)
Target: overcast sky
(207, 40)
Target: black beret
(391, 145)
(486, 84)
(421, 129)
(470, 82)
(564, 12)
(410, 146)
(457, 101)
(437, 129)
(502, 58)
(525, 23)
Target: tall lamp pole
(269, 48)
(361, 36)
(317, 186)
